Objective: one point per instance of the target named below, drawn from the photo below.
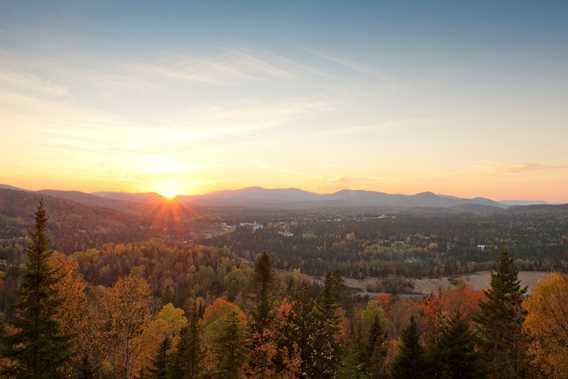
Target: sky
(468, 98)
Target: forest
(161, 309)
(413, 243)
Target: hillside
(73, 226)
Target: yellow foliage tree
(214, 323)
(125, 308)
(547, 323)
(74, 314)
(167, 323)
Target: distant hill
(72, 226)
(91, 200)
(252, 197)
(292, 198)
(144, 197)
(7, 186)
(523, 202)
(544, 210)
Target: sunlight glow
(168, 194)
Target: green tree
(263, 280)
(453, 355)
(295, 332)
(376, 352)
(160, 365)
(230, 347)
(410, 363)
(38, 349)
(324, 349)
(503, 343)
(189, 354)
(260, 334)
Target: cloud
(359, 67)
(31, 84)
(70, 126)
(511, 168)
(529, 167)
(229, 67)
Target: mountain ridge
(297, 198)
(282, 198)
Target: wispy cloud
(351, 64)
(379, 126)
(228, 67)
(511, 168)
(31, 84)
(69, 126)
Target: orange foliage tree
(547, 324)
(438, 307)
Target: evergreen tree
(503, 343)
(410, 362)
(230, 348)
(352, 364)
(189, 354)
(263, 280)
(322, 339)
(160, 366)
(454, 355)
(260, 335)
(376, 352)
(297, 334)
(38, 349)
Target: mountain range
(280, 198)
(293, 198)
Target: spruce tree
(453, 355)
(260, 335)
(410, 362)
(376, 351)
(188, 358)
(160, 366)
(263, 280)
(230, 348)
(298, 332)
(322, 340)
(503, 343)
(38, 349)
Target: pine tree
(410, 362)
(454, 355)
(263, 280)
(160, 366)
(38, 349)
(230, 348)
(297, 334)
(322, 340)
(376, 351)
(260, 364)
(189, 354)
(503, 343)
(353, 360)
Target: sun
(168, 194)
